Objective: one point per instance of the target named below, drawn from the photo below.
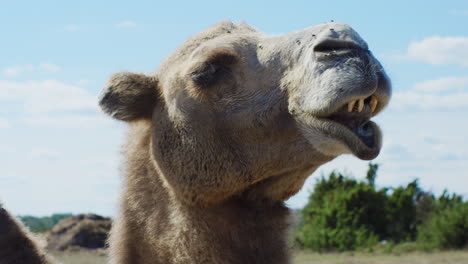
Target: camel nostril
(335, 45)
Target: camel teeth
(360, 105)
(351, 106)
(373, 103)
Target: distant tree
(425, 207)
(42, 224)
(401, 212)
(447, 201)
(448, 229)
(372, 173)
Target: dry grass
(449, 257)
(81, 257)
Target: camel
(229, 128)
(17, 244)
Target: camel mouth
(356, 116)
(352, 125)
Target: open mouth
(351, 125)
(355, 115)
(339, 122)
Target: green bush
(448, 229)
(401, 213)
(346, 214)
(342, 214)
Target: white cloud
(462, 12)
(443, 84)
(4, 123)
(16, 70)
(447, 93)
(51, 103)
(76, 120)
(126, 24)
(83, 82)
(431, 140)
(440, 50)
(47, 96)
(73, 27)
(29, 68)
(46, 153)
(49, 67)
(422, 101)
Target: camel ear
(129, 96)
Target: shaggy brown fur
(230, 127)
(17, 244)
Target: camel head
(235, 114)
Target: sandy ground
(449, 257)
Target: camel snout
(338, 38)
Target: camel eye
(216, 68)
(210, 75)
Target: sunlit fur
(226, 130)
(17, 245)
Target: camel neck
(246, 232)
(234, 231)
(156, 226)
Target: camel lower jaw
(364, 142)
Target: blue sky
(58, 153)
